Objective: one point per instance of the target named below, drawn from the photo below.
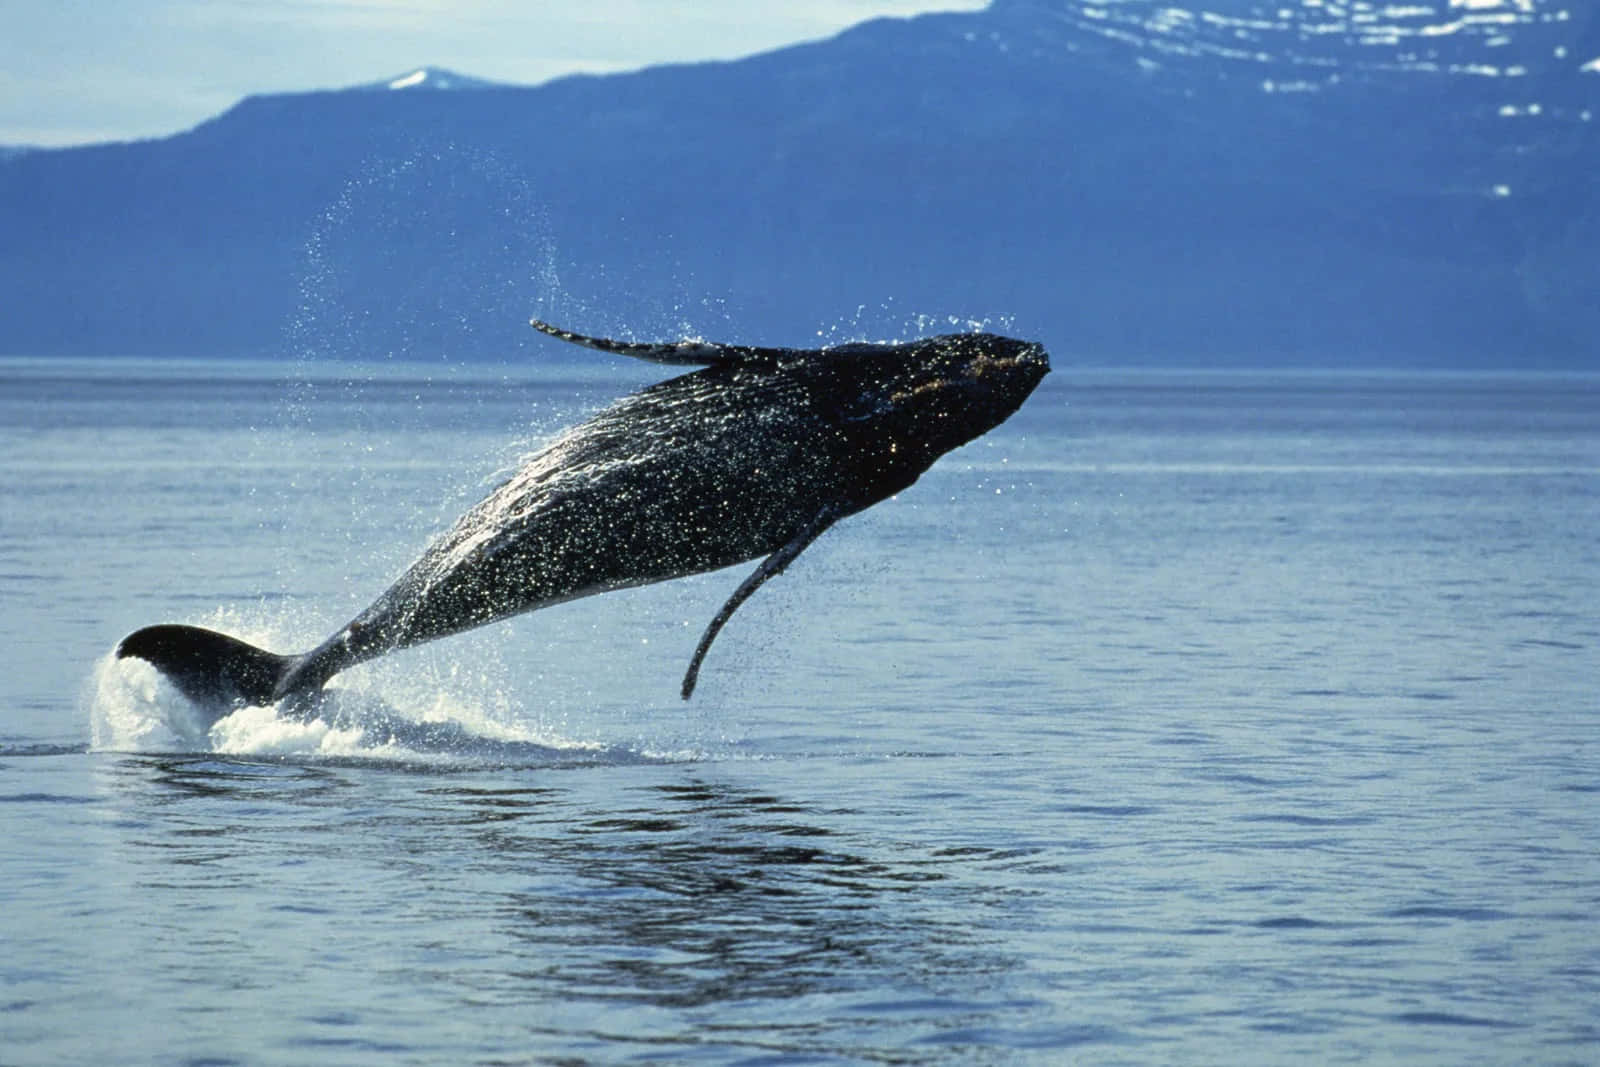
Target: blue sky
(77, 71)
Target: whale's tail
(217, 672)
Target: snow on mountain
(432, 79)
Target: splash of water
(407, 714)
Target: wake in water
(133, 707)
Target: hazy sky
(74, 71)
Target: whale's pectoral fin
(692, 353)
(217, 672)
(770, 567)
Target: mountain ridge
(1005, 165)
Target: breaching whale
(753, 455)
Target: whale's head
(903, 406)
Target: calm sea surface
(1230, 719)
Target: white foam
(262, 732)
(132, 707)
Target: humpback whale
(751, 456)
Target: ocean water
(1187, 718)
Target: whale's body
(753, 455)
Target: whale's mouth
(1013, 373)
(984, 373)
(1030, 357)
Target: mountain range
(1295, 184)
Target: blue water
(1187, 718)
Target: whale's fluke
(215, 671)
